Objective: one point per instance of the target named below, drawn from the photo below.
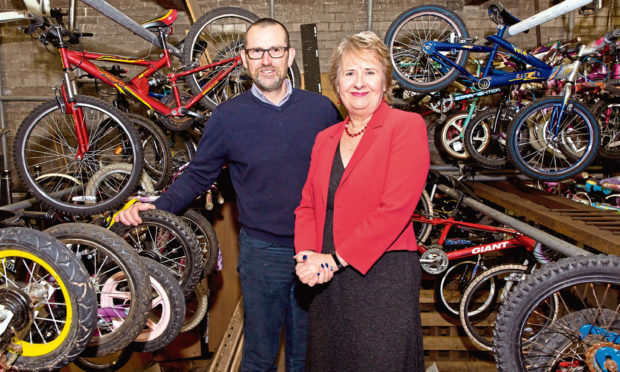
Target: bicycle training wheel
(46, 155)
(219, 36)
(450, 136)
(120, 280)
(49, 289)
(579, 336)
(546, 149)
(414, 69)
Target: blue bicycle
(554, 138)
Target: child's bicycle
(429, 46)
(64, 142)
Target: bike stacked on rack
(548, 138)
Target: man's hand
(130, 216)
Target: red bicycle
(64, 142)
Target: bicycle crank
(434, 261)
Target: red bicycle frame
(519, 240)
(138, 86)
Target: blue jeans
(271, 298)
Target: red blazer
(378, 192)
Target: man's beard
(275, 85)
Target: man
(266, 136)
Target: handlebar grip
(87, 34)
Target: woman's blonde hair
(365, 41)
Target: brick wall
(27, 69)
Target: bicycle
(585, 333)
(63, 137)
(429, 46)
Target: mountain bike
(429, 46)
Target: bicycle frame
(138, 86)
(518, 241)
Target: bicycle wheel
(481, 300)
(450, 288)
(168, 240)
(120, 280)
(207, 238)
(564, 150)
(487, 148)
(450, 136)
(607, 112)
(167, 310)
(157, 154)
(585, 292)
(219, 35)
(413, 68)
(195, 308)
(112, 362)
(425, 209)
(183, 147)
(59, 299)
(109, 178)
(46, 143)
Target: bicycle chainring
(434, 261)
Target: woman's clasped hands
(314, 268)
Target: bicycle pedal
(197, 115)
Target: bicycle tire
(167, 309)
(183, 147)
(46, 142)
(479, 322)
(104, 255)
(222, 30)
(104, 363)
(168, 239)
(195, 308)
(450, 136)
(480, 142)
(50, 343)
(450, 288)
(405, 43)
(424, 208)
(579, 283)
(206, 237)
(607, 112)
(108, 175)
(157, 153)
(547, 158)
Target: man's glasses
(258, 53)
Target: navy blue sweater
(268, 153)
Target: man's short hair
(266, 22)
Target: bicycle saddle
(501, 16)
(164, 21)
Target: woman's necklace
(346, 129)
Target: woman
(352, 232)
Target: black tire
(46, 144)
(488, 149)
(109, 363)
(540, 153)
(51, 342)
(521, 338)
(206, 40)
(450, 288)
(481, 300)
(157, 153)
(405, 38)
(607, 113)
(206, 237)
(168, 309)
(183, 147)
(106, 256)
(195, 308)
(168, 239)
(424, 209)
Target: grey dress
(365, 323)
